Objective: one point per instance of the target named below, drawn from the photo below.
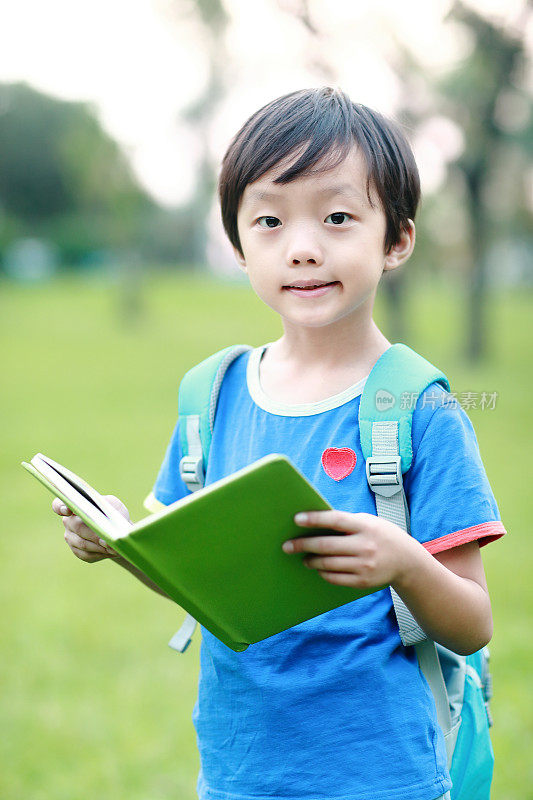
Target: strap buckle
(192, 472)
(384, 474)
(182, 638)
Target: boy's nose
(304, 252)
(303, 259)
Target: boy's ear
(400, 252)
(241, 261)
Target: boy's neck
(355, 347)
(310, 365)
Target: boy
(318, 199)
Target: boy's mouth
(311, 288)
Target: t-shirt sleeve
(169, 486)
(447, 489)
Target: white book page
(86, 489)
(87, 499)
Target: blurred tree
(483, 199)
(475, 94)
(60, 172)
(318, 62)
(212, 19)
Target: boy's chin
(309, 322)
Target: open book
(217, 552)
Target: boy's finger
(76, 525)
(331, 563)
(59, 507)
(90, 546)
(83, 555)
(343, 579)
(74, 540)
(335, 520)
(321, 545)
(118, 504)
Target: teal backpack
(461, 685)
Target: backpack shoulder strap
(398, 377)
(385, 422)
(197, 403)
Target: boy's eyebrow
(344, 189)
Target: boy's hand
(377, 552)
(84, 542)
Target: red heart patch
(338, 462)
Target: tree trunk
(476, 345)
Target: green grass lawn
(94, 704)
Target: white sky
(139, 69)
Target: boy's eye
(337, 218)
(268, 222)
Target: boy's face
(318, 230)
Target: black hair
(325, 124)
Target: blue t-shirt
(335, 708)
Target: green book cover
(217, 552)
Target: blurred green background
(115, 278)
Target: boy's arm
(447, 594)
